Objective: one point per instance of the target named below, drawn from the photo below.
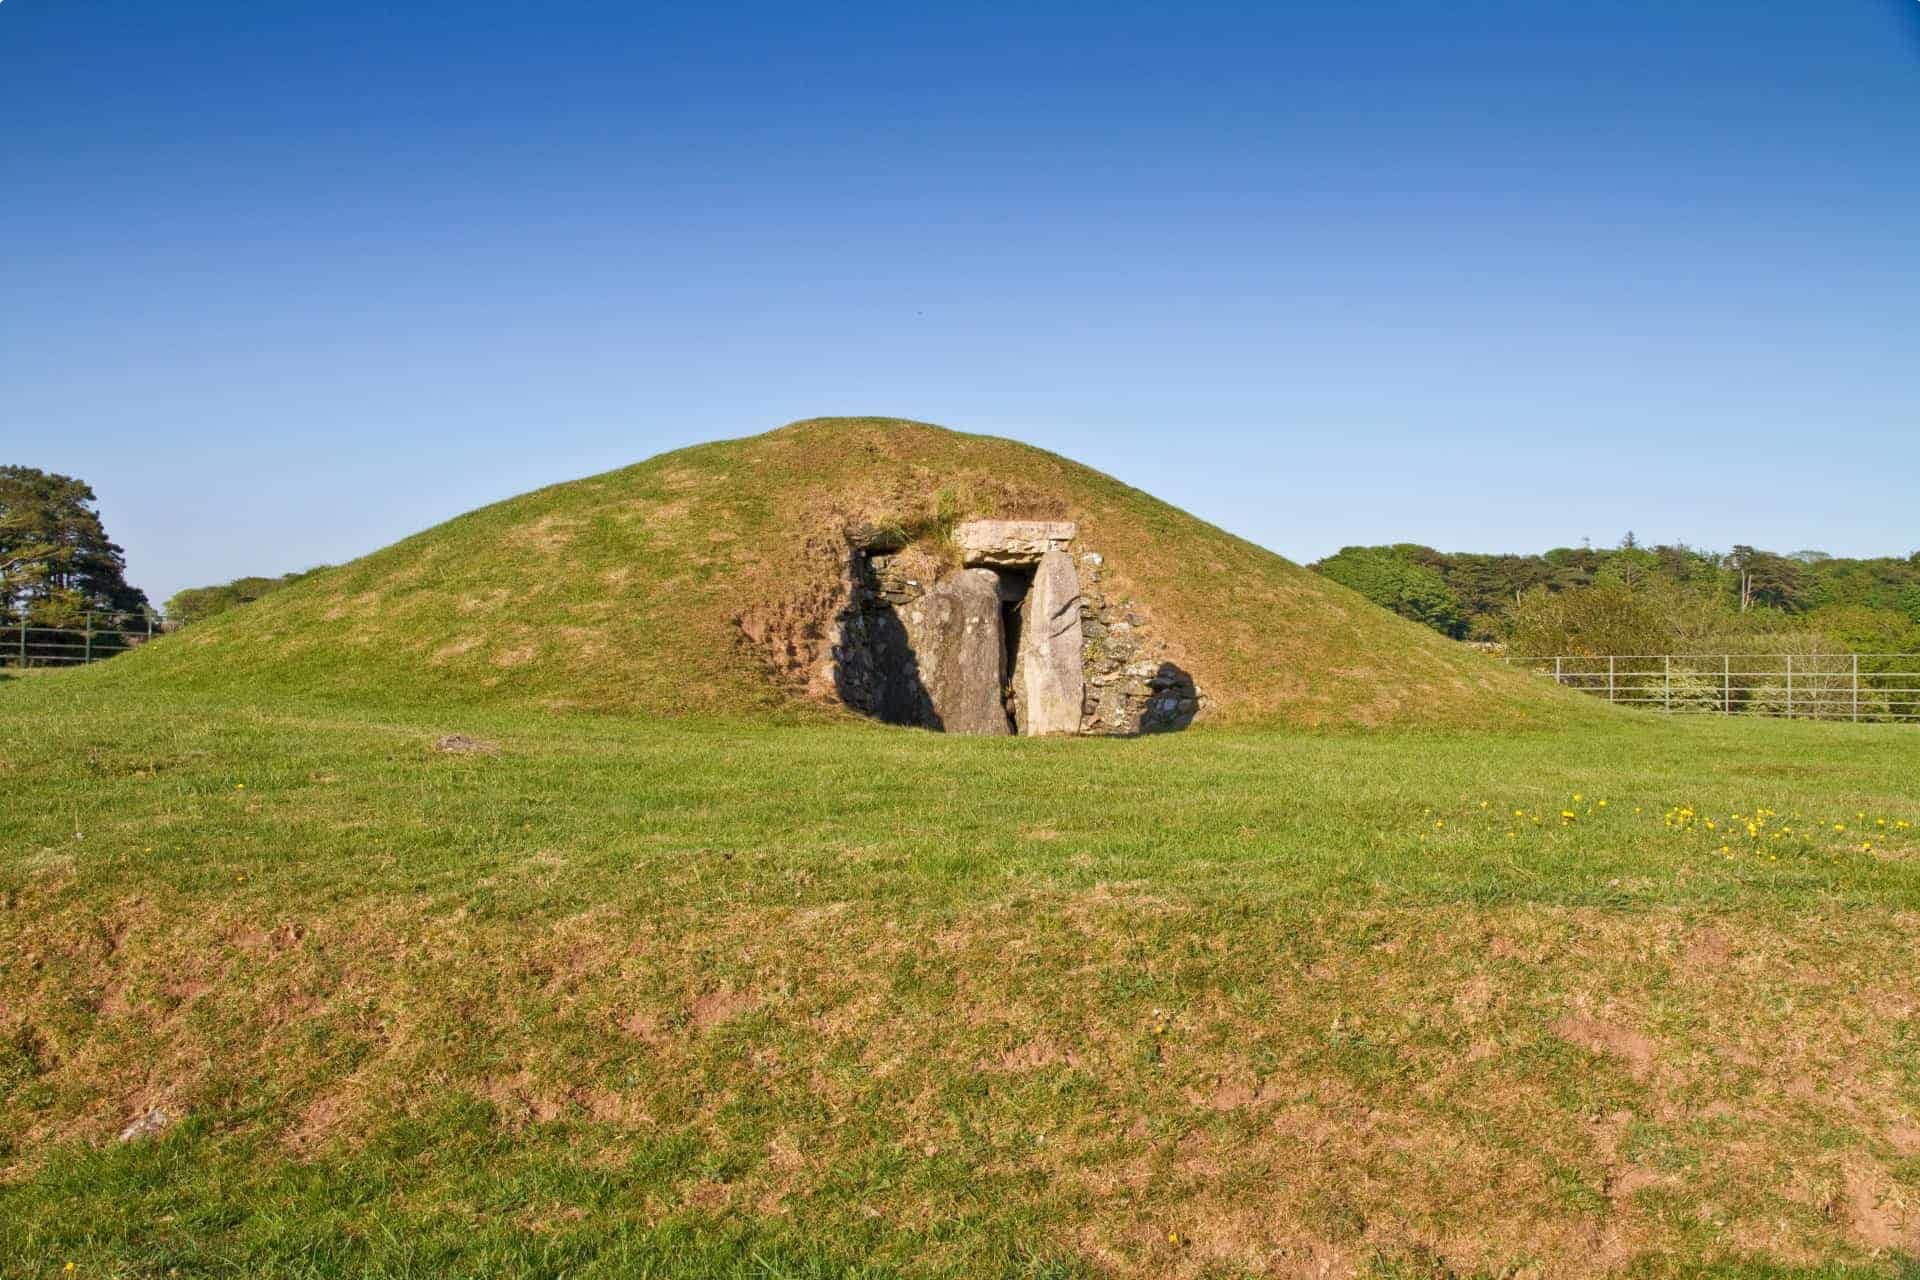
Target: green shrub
(197, 604)
(1391, 580)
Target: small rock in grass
(460, 744)
(152, 1121)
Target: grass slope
(619, 592)
(643, 998)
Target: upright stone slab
(1049, 682)
(959, 652)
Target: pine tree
(56, 561)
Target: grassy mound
(622, 592)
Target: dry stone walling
(1019, 640)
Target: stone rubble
(1131, 688)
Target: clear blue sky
(286, 281)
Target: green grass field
(630, 997)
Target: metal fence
(96, 636)
(1822, 686)
(1831, 686)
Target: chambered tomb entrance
(1018, 639)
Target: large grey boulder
(1049, 682)
(959, 652)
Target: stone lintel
(1011, 542)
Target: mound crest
(894, 569)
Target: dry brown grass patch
(1638, 1052)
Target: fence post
(89, 657)
(1668, 660)
(1556, 672)
(149, 624)
(1789, 686)
(1726, 684)
(23, 637)
(1609, 677)
(1856, 688)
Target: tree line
(1636, 599)
(58, 566)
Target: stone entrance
(1019, 638)
(990, 648)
